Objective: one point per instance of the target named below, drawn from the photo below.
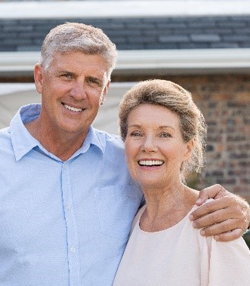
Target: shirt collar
(92, 138)
(23, 142)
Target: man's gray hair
(87, 39)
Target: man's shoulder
(6, 147)
(4, 130)
(110, 140)
(4, 134)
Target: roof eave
(193, 61)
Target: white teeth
(150, 162)
(72, 108)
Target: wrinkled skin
(226, 218)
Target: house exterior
(202, 45)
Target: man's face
(72, 89)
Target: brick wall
(225, 103)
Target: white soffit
(14, 95)
(145, 61)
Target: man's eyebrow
(94, 77)
(66, 71)
(98, 80)
(58, 72)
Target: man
(67, 201)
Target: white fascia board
(116, 9)
(18, 63)
(141, 61)
(185, 61)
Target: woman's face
(154, 146)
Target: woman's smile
(155, 148)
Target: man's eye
(67, 76)
(94, 81)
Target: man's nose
(78, 90)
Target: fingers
(204, 212)
(213, 220)
(228, 236)
(245, 211)
(223, 218)
(222, 228)
(215, 192)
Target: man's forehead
(91, 64)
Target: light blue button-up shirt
(62, 223)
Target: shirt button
(68, 207)
(72, 249)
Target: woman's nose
(149, 144)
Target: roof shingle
(206, 32)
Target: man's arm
(226, 218)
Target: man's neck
(61, 145)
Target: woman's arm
(229, 263)
(226, 218)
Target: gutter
(169, 62)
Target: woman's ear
(189, 149)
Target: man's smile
(71, 108)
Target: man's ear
(38, 77)
(104, 93)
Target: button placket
(71, 230)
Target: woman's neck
(165, 208)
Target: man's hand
(226, 218)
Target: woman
(164, 135)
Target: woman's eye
(135, 134)
(165, 135)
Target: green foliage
(246, 236)
(193, 181)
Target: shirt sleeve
(229, 263)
